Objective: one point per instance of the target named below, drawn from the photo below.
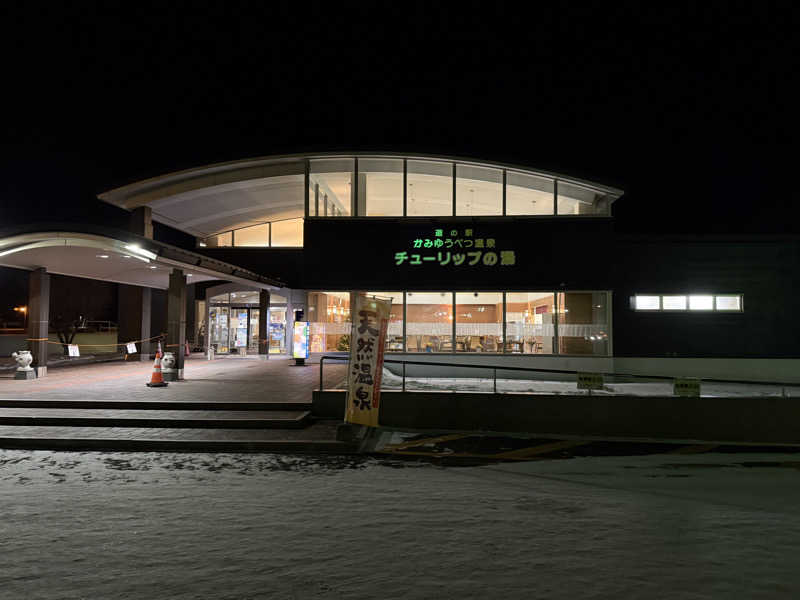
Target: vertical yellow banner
(367, 342)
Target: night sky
(689, 107)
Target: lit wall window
(681, 302)
(701, 302)
(255, 236)
(579, 200)
(728, 302)
(394, 332)
(528, 194)
(530, 322)
(430, 188)
(429, 326)
(329, 321)
(673, 302)
(286, 233)
(647, 302)
(380, 187)
(331, 180)
(479, 190)
(479, 322)
(221, 240)
(583, 326)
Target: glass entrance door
(277, 330)
(252, 344)
(218, 328)
(238, 330)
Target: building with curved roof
(489, 263)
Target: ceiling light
(140, 251)
(189, 274)
(102, 256)
(126, 256)
(153, 267)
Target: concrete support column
(134, 305)
(263, 325)
(142, 222)
(176, 318)
(39, 318)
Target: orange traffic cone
(157, 380)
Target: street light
(24, 311)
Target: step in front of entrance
(211, 419)
(176, 405)
(316, 438)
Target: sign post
(367, 344)
(590, 381)
(300, 343)
(686, 386)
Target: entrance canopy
(106, 258)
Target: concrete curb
(154, 423)
(145, 445)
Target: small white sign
(73, 350)
(686, 386)
(590, 381)
(131, 348)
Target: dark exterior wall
(765, 271)
(550, 253)
(284, 264)
(172, 236)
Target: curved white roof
(218, 197)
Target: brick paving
(222, 379)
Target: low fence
(410, 375)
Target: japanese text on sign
(370, 321)
(457, 248)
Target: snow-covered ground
(117, 525)
(391, 381)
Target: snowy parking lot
(153, 525)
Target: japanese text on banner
(368, 338)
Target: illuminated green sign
(459, 248)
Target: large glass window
(331, 179)
(701, 302)
(530, 322)
(479, 190)
(583, 323)
(578, 200)
(430, 188)
(394, 333)
(528, 194)
(257, 236)
(479, 322)
(329, 318)
(287, 233)
(429, 326)
(380, 187)
(728, 302)
(681, 302)
(220, 241)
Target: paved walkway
(222, 380)
(224, 405)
